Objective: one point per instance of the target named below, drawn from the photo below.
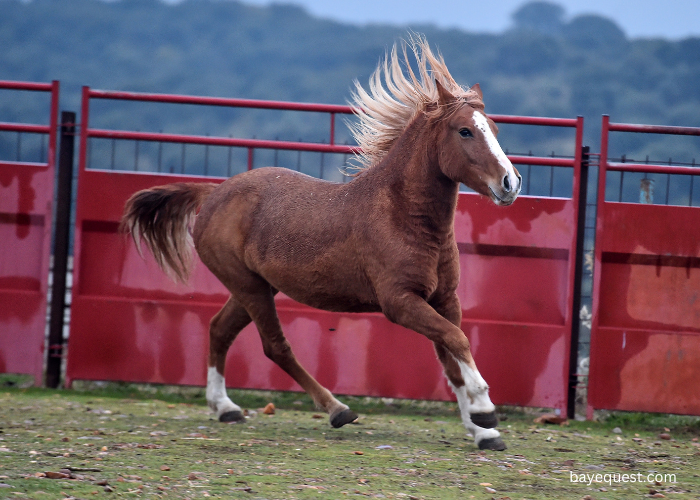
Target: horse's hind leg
(261, 308)
(224, 327)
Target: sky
(671, 19)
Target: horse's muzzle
(506, 193)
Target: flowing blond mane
(396, 96)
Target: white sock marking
(217, 398)
(479, 433)
(477, 390)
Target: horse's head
(469, 152)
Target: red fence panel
(26, 194)
(130, 322)
(645, 337)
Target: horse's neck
(412, 174)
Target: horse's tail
(161, 217)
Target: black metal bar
(299, 159)
(623, 159)
(136, 157)
(160, 155)
(228, 165)
(206, 158)
(60, 252)
(668, 181)
(578, 279)
(529, 171)
(690, 200)
(320, 176)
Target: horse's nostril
(506, 184)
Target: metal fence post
(578, 278)
(60, 253)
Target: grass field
(123, 441)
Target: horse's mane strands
(396, 96)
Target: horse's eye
(465, 132)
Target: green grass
(149, 442)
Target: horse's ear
(477, 88)
(444, 96)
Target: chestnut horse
(382, 242)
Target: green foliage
(544, 66)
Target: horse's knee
(277, 351)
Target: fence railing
(618, 226)
(26, 206)
(645, 331)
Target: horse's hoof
(484, 420)
(344, 417)
(495, 444)
(232, 417)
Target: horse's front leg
(453, 349)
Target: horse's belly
(334, 303)
(337, 290)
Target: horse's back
(295, 231)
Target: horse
(382, 242)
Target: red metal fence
(521, 334)
(129, 322)
(26, 193)
(645, 338)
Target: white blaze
(482, 124)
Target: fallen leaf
(192, 476)
(56, 475)
(164, 467)
(358, 452)
(316, 415)
(665, 435)
(551, 418)
(490, 490)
